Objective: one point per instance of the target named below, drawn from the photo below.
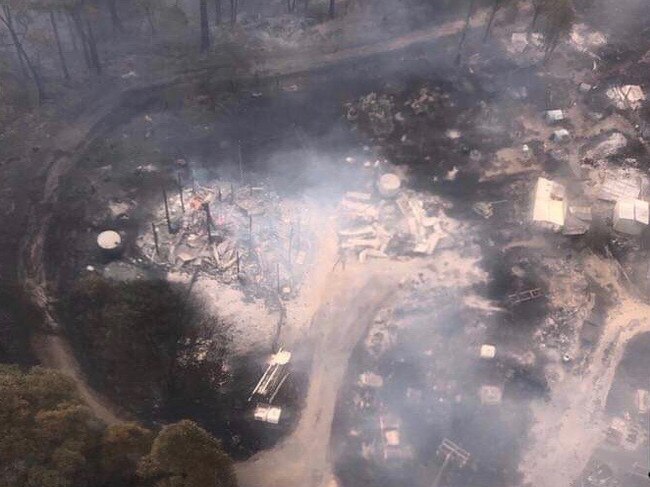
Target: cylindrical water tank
(389, 185)
(110, 242)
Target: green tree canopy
(185, 455)
(47, 437)
(122, 447)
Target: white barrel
(109, 240)
(389, 185)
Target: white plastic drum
(389, 185)
(109, 240)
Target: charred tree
(463, 36)
(71, 33)
(92, 47)
(234, 6)
(75, 15)
(218, 18)
(55, 29)
(115, 18)
(7, 19)
(205, 27)
(495, 8)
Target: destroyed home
(325, 243)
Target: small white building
(554, 116)
(267, 413)
(631, 216)
(549, 205)
(490, 395)
(642, 400)
(488, 352)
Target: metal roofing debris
(561, 135)
(615, 188)
(523, 296)
(582, 212)
(549, 205)
(273, 377)
(369, 379)
(627, 96)
(585, 87)
(574, 226)
(608, 147)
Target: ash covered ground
(443, 330)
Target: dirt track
(355, 295)
(571, 425)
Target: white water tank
(109, 241)
(389, 185)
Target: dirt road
(355, 295)
(571, 425)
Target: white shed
(631, 216)
(549, 205)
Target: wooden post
(241, 167)
(219, 194)
(238, 262)
(169, 223)
(290, 243)
(155, 237)
(208, 219)
(298, 233)
(277, 267)
(232, 193)
(180, 192)
(250, 229)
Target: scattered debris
(627, 97)
(275, 375)
(524, 296)
(608, 147)
(560, 135)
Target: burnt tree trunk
(71, 33)
(81, 33)
(115, 18)
(217, 12)
(493, 14)
(234, 6)
(55, 29)
(536, 12)
(7, 19)
(92, 45)
(463, 36)
(205, 27)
